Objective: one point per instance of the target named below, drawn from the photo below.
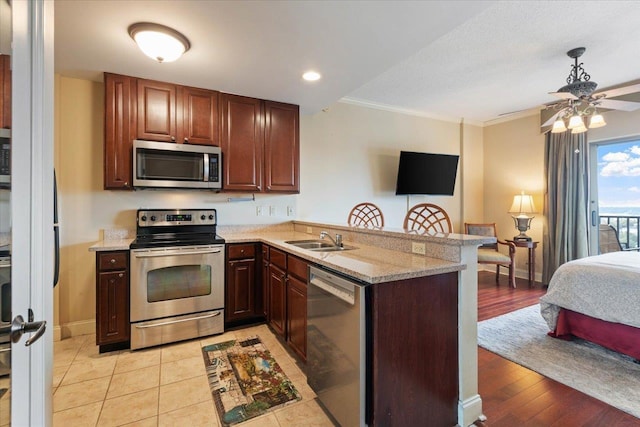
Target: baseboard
(57, 333)
(469, 411)
(83, 327)
(520, 274)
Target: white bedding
(606, 287)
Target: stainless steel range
(177, 276)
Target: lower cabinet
(112, 299)
(288, 299)
(244, 298)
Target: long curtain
(566, 208)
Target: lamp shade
(559, 126)
(161, 43)
(575, 122)
(596, 121)
(522, 204)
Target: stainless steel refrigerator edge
(337, 345)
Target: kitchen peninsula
(424, 313)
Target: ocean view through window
(619, 189)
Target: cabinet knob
(112, 260)
(186, 140)
(173, 138)
(126, 183)
(121, 275)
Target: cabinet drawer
(241, 251)
(278, 258)
(113, 260)
(297, 267)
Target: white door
(32, 207)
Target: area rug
(521, 336)
(245, 380)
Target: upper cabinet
(200, 117)
(119, 130)
(157, 111)
(241, 143)
(5, 92)
(259, 139)
(260, 145)
(281, 147)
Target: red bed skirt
(615, 336)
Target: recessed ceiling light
(161, 43)
(311, 76)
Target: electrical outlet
(258, 210)
(418, 248)
(290, 211)
(272, 211)
(309, 230)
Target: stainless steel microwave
(168, 165)
(5, 158)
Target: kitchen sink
(318, 245)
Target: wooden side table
(532, 257)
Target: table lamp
(520, 209)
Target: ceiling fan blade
(563, 95)
(551, 119)
(619, 105)
(612, 93)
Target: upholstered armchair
(489, 253)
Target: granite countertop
(366, 263)
(112, 245)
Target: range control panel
(174, 217)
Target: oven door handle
(171, 322)
(160, 254)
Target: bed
(598, 299)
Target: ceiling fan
(578, 100)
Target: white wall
(350, 155)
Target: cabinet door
(282, 147)
(297, 316)
(112, 308)
(277, 300)
(5, 92)
(241, 142)
(240, 296)
(200, 117)
(157, 111)
(119, 127)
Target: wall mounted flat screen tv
(426, 173)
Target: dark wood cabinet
(200, 124)
(297, 315)
(260, 143)
(157, 111)
(281, 147)
(112, 299)
(265, 281)
(277, 300)
(240, 293)
(5, 91)
(241, 142)
(120, 130)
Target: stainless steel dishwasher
(337, 344)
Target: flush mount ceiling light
(159, 42)
(311, 76)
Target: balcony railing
(628, 227)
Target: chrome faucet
(337, 242)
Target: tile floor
(160, 386)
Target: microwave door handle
(161, 254)
(206, 167)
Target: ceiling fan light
(579, 129)
(158, 42)
(575, 121)
(558, 126)
(596, 121)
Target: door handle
(19, 327)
